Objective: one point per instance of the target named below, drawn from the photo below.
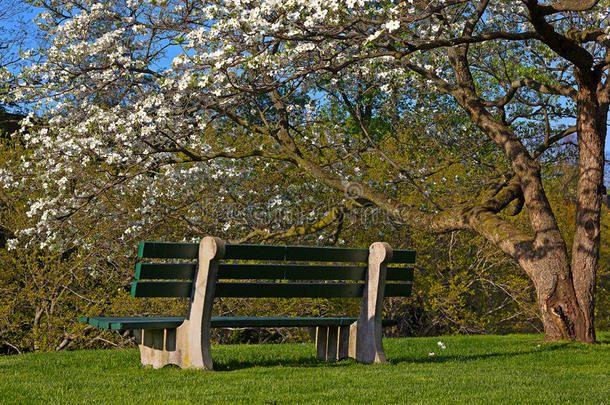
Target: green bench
(226, 270)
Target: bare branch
(567, 5)
(590, 35)
(480, 10)
(552, 140)
(533, 84)
(333, 215)
(564, 46)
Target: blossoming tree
(257, 80)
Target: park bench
(257, 271)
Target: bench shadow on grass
(301, 362)
(311, 361)
(307, 361)
(473, 357)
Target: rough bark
(591, 123)
(561, 314)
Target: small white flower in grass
(441, 345)
(430, 354)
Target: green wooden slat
(95, 322)
(186, 271)
(398, 289)
(185, 250)
(254, 252)
(294, 253)
(169, 322)
(168, 250)
(399, 274)
(261, 322)
(327, 254)
(290, 272)
(260, 290)
(171, 250)
(403, 256)
(161, 288)
(106, 322)
(287, 290)
(137, 322)
(258, 322)
(165, 271)
(90, 320)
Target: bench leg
(353, 337)
(362, 349)
(366, 343)
(157, 347)
(332, 344)
(321, 341)
(343, 341)
(162, 347)
(193, 349)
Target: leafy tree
(491, 84)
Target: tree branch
(564, 46)
(533, 84)
(333, 215)
(444, 221)
(567, 5)
(480, 10)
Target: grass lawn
(507, 369)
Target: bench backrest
(282, 273)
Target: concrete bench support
(188, 346)
(361, 340)
(157, 346)
(332, 342)
(365, 341)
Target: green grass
(507, 369)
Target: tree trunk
(546, 261)
(591, 124)
(545, 257)
(561, 314)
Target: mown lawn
(482, 369)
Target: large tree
(339, 91)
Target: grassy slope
(515, 369)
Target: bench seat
(133, 322)
(170, 322)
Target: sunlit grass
(507, 369)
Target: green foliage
(463, 285)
